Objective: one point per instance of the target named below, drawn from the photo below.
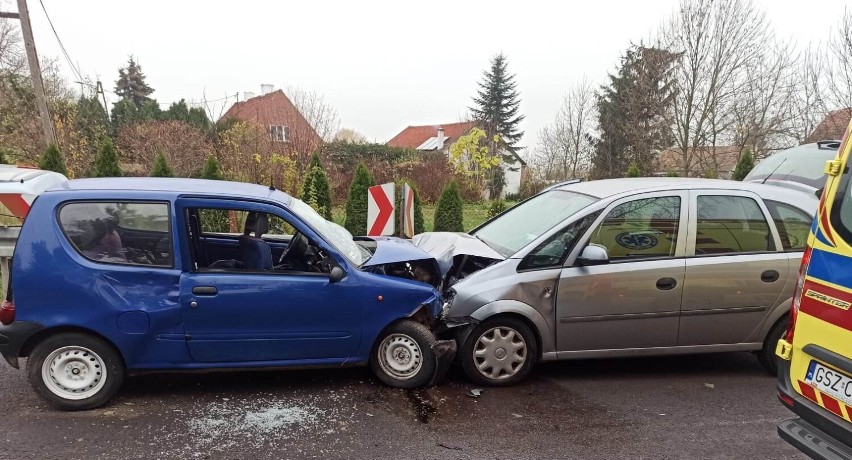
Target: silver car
(624, 267)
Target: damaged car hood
(448, 248)
(397, 257)
(392, 250)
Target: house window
(279, 133)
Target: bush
(214, 220)
(744, 165)
(212, 170)
(161, 167)
(672, 173)
(316, 191)
(356, 205)
(52, 160)
(448, 214)
(497, 206)
(633, 170)
(513, 196)
(106, 163)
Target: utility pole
(35, 73)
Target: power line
(61, 45)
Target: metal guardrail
(8, 238)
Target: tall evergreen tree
(356, 205)
(214, 220)
(212, 170)
(106, 163)
(180, 111)
(131, 84)
(91, 120)
(52, 160)
(317, 190)
(744, 165)
(161, 167)
(449, 216)
(633, 112)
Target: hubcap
(500, 353)
(400, 357)
(73, 373)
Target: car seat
(256, 253)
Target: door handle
(205, 290)
(666, 284)
(769, 276)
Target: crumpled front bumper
(13, 337)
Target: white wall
(513, 177)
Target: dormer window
(279, 133)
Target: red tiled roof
(831, 127)
(274, 108)
(413, 136)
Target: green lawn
(474, 214)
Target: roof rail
(828, 144)
(559, 184)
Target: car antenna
(773, 171)
(271, 185)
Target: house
(440, 137)
(705, 161)
(285, 126)
(831, 127)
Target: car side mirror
(593, 254)
(818, 192)
(336, 275)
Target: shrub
(744, 165)
(214, 220)
(316, 190)
(448, 213)
(212, 170)
(513, 196)
(497, 206)
(106, 163)
(161, 167)
(633, 170)
(356, 205)
(52, 160)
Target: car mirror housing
(593, 254)
(336, 275)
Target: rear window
(130, 233)
(793, 225)
(805, 165)
(731, 225)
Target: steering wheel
(296, 249)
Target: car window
(554, 250)
(792, 223)
(233, 222)
(120, 232)
(640, 229)
(731, 225)
(800, 164)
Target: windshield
(524, 223)
(336, 235)
(805, 165)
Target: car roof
(608, 188)
(176, 185)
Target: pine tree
(449, 214)
(161, 167)
(91, 119)
(106, 163)
(497, 103)
(356, 205)
(633, 171)
(212, 170)
(744, 165)
(131, 84)
(52, 160)
(317, 191)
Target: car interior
(266, 243)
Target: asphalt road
(712, 406)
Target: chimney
(266, 89)
(248, 95)
(441, 138)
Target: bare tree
(350, 135)
(839, 68)
(565, 148)
(716, 42)
(319, 114)
(12, 58)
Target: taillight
(7, 313)
(797, 294)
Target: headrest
(261, 226)
(251, 219)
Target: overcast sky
(383, 65)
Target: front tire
(74, 371)
(403, 356)
(499, 352)
(766, 356)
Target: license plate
(829, 381)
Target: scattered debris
(109, 412)
(517, 415)
(475, 393)
(445, 446)
(710, 385)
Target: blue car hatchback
(112, 277)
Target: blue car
(112, 277)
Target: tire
(766, 356)
(402, 356)
(479, 362)
(92, 371)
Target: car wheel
(403, 356)
(499, 352)
(766, 356)
(74, 371)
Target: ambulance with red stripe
(815, 355)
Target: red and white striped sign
(380, 209)
(407, 211)
(17, 203)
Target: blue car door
(234, 315)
